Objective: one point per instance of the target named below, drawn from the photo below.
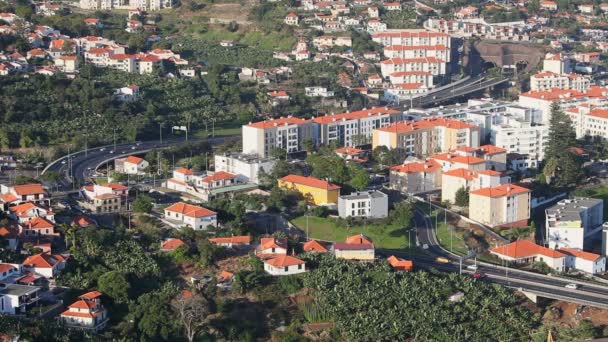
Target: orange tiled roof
(500, 191)
(351, 151)
(171, 244)
(190, 210)
(134, 159)
(267, 243)
(91, 295)
(43, 260)
(116, 186)
(8, 198)
(245, 240)
(524, 249)
(461, 173)
(278, 122)
(184, 171)
(580, 254)
(220, 175)
(415, 47)
(554, 94)
(284, 261)
(399, 60)
(456, 158)
(310, 181)
(410, 126)
(399, 263)
(224, 276)
(360, 114)
(491, 149)
(314, 246)
(414, 167)
(359, 239)
(599, 113)
(29, 189)
(21, 208)
(83, 221)
(38, 223)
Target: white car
(571, 286)
(102, 149)
(472, 267)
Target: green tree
(206, 252)
(152, 313)
(403, 214)
(562, 135)
(143, 204)
(115, 285)
(359, 178)
(462, 197)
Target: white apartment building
(557, 63)
(424, 78)
(589, 121)
(145, 5)
(572, 223)
(286, 133)
(433, 65)
(413, 37)
(18, 299)
(246, 167)
(548, 80)
(369, 204)
(354, 128)
(318, 91)
(524, 140)
(441, 52)
(478, 27)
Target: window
(299, 267)
(286, 269)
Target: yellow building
(315, 191)
(503, 205)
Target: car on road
(442, 260)
(133, 147)
(111, 152)
(472, 267)
(571, 286)
(478, 275)
(425, 246)
(63, 162)
(102, 149)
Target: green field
(383, 236)
(451, 241)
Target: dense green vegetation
(370, 303)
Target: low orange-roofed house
(44, 264)
(86, 313)
(169, 245)
(356, 247)
(527, 252)
(399, 264)
(193, 216)
(131, 165)
(314, 246)
(584, 261)
(315, 191)
(284, 265)
(17, 194)
(231, 241)
(503, 205)
(270, 247)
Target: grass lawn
(447, 240)
(383, 236)
(219, 130)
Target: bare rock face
(524, 56)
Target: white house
(318, 91)
(9, 270)
(271, 247)
(131, 165)
(246, 167)
(584, 261)
(231, 241)
(526, 252)
(17, 194)
(191, 215)
(284, 265)
(369, 204)
(572, 222)
(17, 299)
(127, 94)
(44, 264)
(86, 313)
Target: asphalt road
(83, 164)
(549, 287)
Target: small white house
(183, 214)
(17, 299)
(584, 261)
(131, 165)
(271, 247)
(127, 94)
(86, 313)
(44, 264)
(284, 265)
(246, 167)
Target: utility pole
(114, 139)
(460, 266)
(86, 145)
(160, 132)
(306, 227)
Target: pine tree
(562, 135)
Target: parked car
(478, 275)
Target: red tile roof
(359, 239)
(43, 260)
(284, 261)
(20, 209)
(184, 171)
(310, 181)
(461, 173)
(500, 191)
(29, 189)
(134, 160)
(554, 94)
(399, 60)
(456, 158)
(225, 276)
(599, 113)
(411, 126)
(352, 246)
(235, 240)
(351, 151)
(580, 254)
(278, 122)
(491, 149)
(38, 223)
(314, 246)
(218, 176)
(6, 267)
(415, 167)
(360, 114)
(271, 242)
(171, 244)
(416, 47)
(83, 221)
(8, 198)
(91, 295)
(116, 186)
(525, 249)
(190, 210)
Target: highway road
(590, 294)
(472, 85)
(83, 164)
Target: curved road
(84, 164)
(590, 294)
